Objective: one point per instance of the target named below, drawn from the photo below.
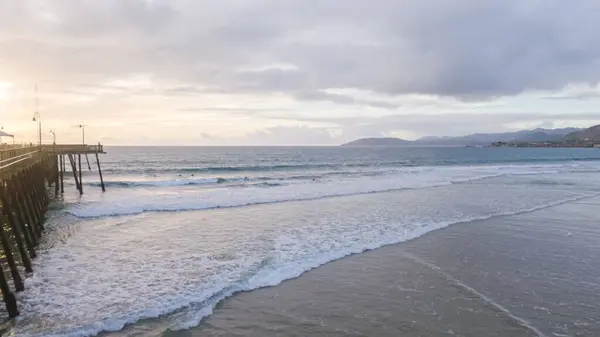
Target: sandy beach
(531, 274)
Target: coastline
(506, 276)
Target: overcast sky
(293, 72)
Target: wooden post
(56, 176)
(35, 187)
(88, 162)
(36, 197)
(46, 168)
(30, 190)
(44, 200)
(74, 168)
(80, 176)
(20, 208)
(41, 191)
(62, 173)
(16, 230)
(8, 296)
(28, 208)
(100, 173)
(10, 260)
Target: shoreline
(430, 285)
(317, 294)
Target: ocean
(181, 230)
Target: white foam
(165, 183)
(116, 271)
(180, 198)
(274, 275)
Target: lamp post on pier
(36, 118)
(82, 127)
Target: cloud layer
(297, 56)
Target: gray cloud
(456, 124)
(340, 99)
(469, 49)
(241, 111)
(279, 135)
(464, 49)
(343, 130)
(452, 124)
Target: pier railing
(19, 155)
(16, 151)
(73, 148)
(22, 156)
(13, 146)
(8, 152)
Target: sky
(295, 72)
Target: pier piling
(8, 296)
(80, 175)
(8, 254)
(15, 202)
(62, 173)
(74, 169)
(100, 173)
(24, 200)
(56, 176)
(21, 239)
(88, 162)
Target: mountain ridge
(475, 139)
(373, 141)
(591, 134)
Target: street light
(82, 132)
(36, 118)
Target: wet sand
(533, 274)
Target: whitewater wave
(158, 183)
(124, 204)
(267, 272)
(252, 180)
(273, 275)
(263, 190)
(180, 168)
(229, 182)
(254, 168)
(549, 182)
(170, 179)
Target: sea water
(181, 228)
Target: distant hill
(591, 134)
(477, 139)
(483, 139)
(379, 142)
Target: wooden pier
(24, 199)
